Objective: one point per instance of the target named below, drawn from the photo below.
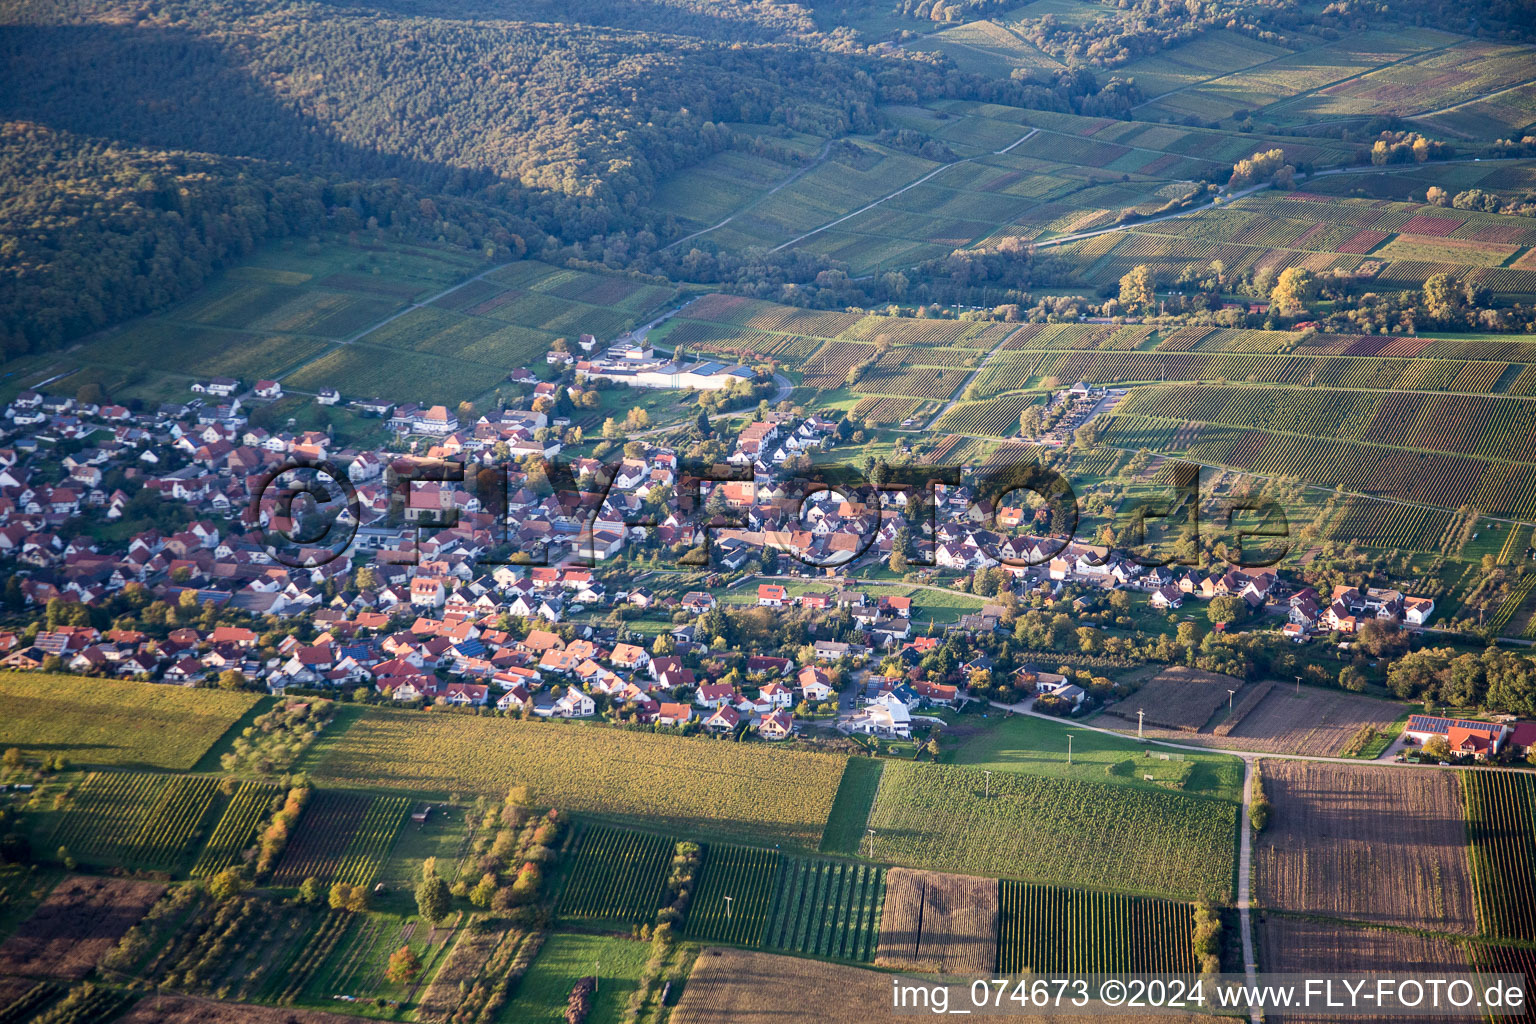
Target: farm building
(1481, 739)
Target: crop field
(995, 417)
(473, 948)
(1043, 929)
(342, 837)
(826, 908)
(616, 875)
(1251, 74)
(890, 411)
(733, 896)
(138, 821)
(1179, 698)
(1273, 718)
(237, 828)
(737, 986)
(1103, 835)
(1504, 428)
(1295, 371)
(945, 924)
(194, 349)
(364, 369)
(1320, 232)
(1436, 479)
(1384, 525)
(173, 1009)
(79, 922)
(1428, 82)
(100, 721)
(1298, 945)
(685, 786)
(1501, 824)
(1379, 845)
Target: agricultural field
(1504, 428)
(1109, 836)
(615, 875)
(1035, 746)
(1434, 479)
(736, 986)
(566, 959)
(1371, 844)
(79, 922)
(106, 722)
(1433, 81)
(1043, 929)
(341, 837)
(1179, 698)
(137, 821)
(473, 948)
(1296, 945)
(173, 1009)
(733, 896)
(1389, 243)
(826, 908)
(943, 924)
(686, 786)
(264, 317)
(1274, 718)
(237, 828)
(1219, 75)
(1501, 826)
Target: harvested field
(936, 922)
(1319, 723)
(1253, 696)
(1270, 718)
(79, 922)
(1381, 845)
(1179, 698)
(735, 986)
(474, 947)
(1289, 945)
(181, 1010)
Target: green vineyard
(615, 875)
(342, 838)
(236, 830)
(827, 909)
(734, 890)
(1043, 929)
(134, 820)
(1501, 825)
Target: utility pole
(871, 833)
(1230, 694)
(989, 782)
(1140, 714)
(1069, 748)
(728, 907)
(597, 974)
